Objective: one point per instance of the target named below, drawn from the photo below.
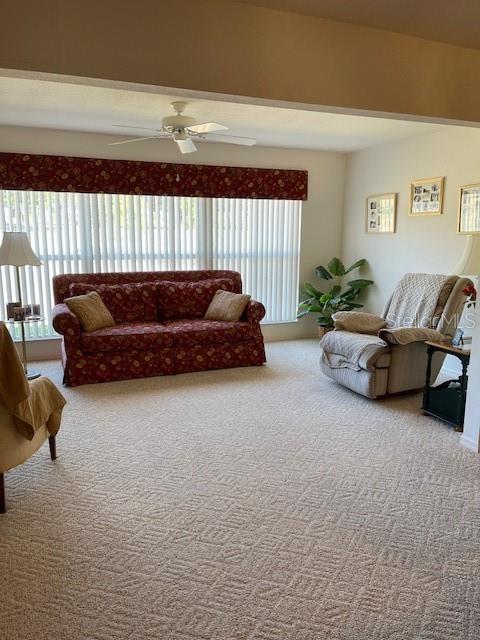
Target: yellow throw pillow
(91, 311)
(227, 306)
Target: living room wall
(424, 243)
(322, 212)
(236, 49)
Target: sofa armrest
(67, 324)
(254, 312)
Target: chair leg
(3, 506)
(52, 443)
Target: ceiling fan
(184, 130)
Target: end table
(446, 401)
(31, 375)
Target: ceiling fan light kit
(184, 129)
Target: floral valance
(93, 175)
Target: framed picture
(469, 209)
(426, 197)
(381, 213)
(457, 339)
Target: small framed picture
(19, 313)
(11, 309)
(457, 339)
(426, 197)
(469, 209)
(381, 213)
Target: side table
(446, 401)
(31, 375)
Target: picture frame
(426, 197)
(381, 213)
(457, 339)
(469, 209)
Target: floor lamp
(16, 251)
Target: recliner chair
(394, 368)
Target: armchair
(393, 359)
(30, 413)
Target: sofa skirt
(126, 365)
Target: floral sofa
(159, 328)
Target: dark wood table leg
(3, 506)
(426, 392)
(463, 392)
(52, 443)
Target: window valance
(92, 175)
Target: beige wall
(322, 213)
(230, 48)
(426, 243)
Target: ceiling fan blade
(132, 126)
(247, 142)
(207, 127)
(186, 146)
(112, 144)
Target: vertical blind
(82, 233)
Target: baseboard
(470, 444)
(44, 349)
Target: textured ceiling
(454, 21)
(75, 107)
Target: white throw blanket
(415, 299)
(342, 349)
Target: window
(77, 232)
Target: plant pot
(322, 330)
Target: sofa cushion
(126, 302)
(188, 299)
(129, 336)
(190, 332)
(358, 322)
(227, 306)
(90, 311)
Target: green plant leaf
(334, 291)
(305, 303)
(326, 298)
(350, 294)
(361, 283)
(315, 308)
(321, 272)
(312, 291)
(356, 265)
(336, 267)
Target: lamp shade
(16, 250)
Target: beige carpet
(250, 504)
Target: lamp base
(33, 375)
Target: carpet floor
(248, 504)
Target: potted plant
(337, 298)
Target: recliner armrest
(407, 335)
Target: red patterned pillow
(177, 300)
(126, 302)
